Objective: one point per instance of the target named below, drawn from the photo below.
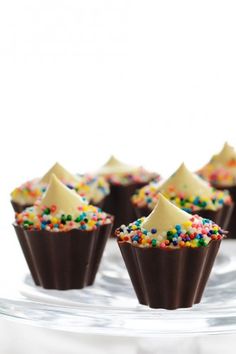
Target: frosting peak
(187, 182)
(64, 199)
(114, 166)
(226, 154)
(60, 173)
(165, 216)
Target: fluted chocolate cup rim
(64, 232)
(169, 249)
(222, 186)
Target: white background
(153, 82)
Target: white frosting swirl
(60, 172)
(114, 166)
(165, 216)
(187, 182)
(66, 200)
(227, 154)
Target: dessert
(220, 171)
(189, 192)
(94, 190)
(62, 238)
(169, 255)
(124, 179)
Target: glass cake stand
(110, 306)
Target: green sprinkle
(154, 243)
(47, 211)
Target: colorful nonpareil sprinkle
(28, 192)
(196, 232)
(94, 189)
(138, 176)
(220, 175)
(148, 197)
(86, 218)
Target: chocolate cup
(221, 216)
(142, 211)
(18, 208)
(63, 260)
(232, 220)
(169, 278)
(118, 203)
(99, 204)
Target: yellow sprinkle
(54, 220)
(194, 243)
(91, 223)
(187, 223)
(177, 200)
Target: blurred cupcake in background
(124, 179)
(169, 255)
(62, 238)
(25, 195)
(189, 192)
(93, 188)
(220, 171)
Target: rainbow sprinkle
(197, 232)
(94, 189)
(220, 175)
(149, 194)
(138, 176)
(86, 218)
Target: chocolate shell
(18, 208)
(118, 203)
(63, 260)
(169, 278)
(232, 220)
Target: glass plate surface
(110, 306)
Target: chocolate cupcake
(189, 192)
(169, 255)
(220, 171)
(94, 190)
(62, 238)
(124, 180)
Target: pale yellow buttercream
(165, 216)
(66, 200)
